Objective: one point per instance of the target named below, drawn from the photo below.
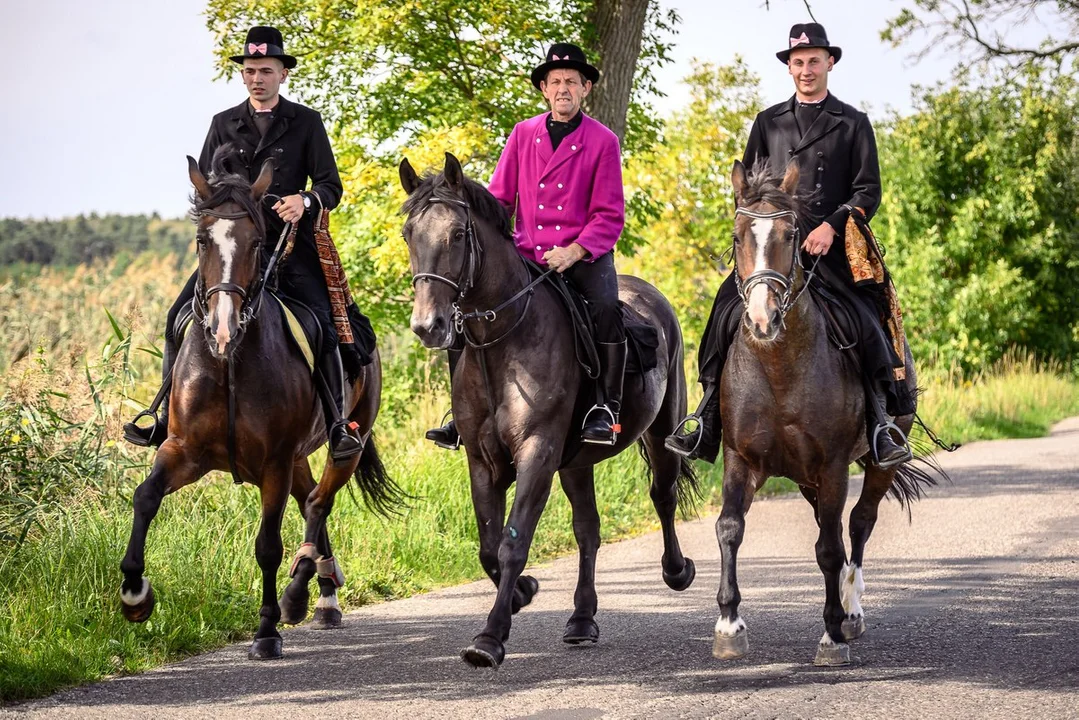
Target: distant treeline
(84, 239)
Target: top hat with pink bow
(564, 55)
(263, 42)
(808, 35)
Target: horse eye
(459, 235)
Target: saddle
(642, 339)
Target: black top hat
(808, 35)
(263, 42)
(564, 55)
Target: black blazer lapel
(285, 111)
(826, 122)
(786, 126)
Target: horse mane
(228, 186)
(763, 185)
(483, 203)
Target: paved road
(972, 611)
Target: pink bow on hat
(555, 57)
(252, 49)
(802, 39)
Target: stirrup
(339, 455)
(667, 442)
(616, 428)
(150, 431)
(442, 425)
(888, 427)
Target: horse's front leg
(536, 463)
(172, 470)
(275, 487)
(579, 486)
(862, 519)
(831, 558)
(731, 639)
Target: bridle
(473, 264)
(782, 285)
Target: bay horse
(793, 405)
(514, 393)
(238, 341)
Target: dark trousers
(598, 283)
(297, 280)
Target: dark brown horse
(793, 405)
(514, 392)
(278, 417)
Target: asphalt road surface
(972, 611)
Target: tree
(987, 30)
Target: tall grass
(60, 621)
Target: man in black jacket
(837, 154)
(268, 127)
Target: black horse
(515, 390)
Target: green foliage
(85, 239)
(981, 212)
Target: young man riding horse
(560, 175)
(268, 127)
(837, 154)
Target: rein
(250, 303)
(782, 285)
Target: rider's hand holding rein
(820, 240)
(290, 208)
(562, 259)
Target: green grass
(60, 622)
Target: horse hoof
(682, 580)
(294, 606)
(140, 608)
(265, 649)
(854, 627)
(484, 652)
(326, 619)
(581, 630)
(526, 589)
(832, 655)
(731, 647)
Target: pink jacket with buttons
(559, 197)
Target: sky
(109, 96)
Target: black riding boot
(447, 436)
(601, 424)
(155, 434)
(703, 442)
(882, 433)
(343, 441)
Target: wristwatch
(306, 200)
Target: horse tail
(380, 492)
(914, 476)
(687, 488)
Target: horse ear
(738, 180)
(262, 182)
(790, 178)
(409, 179)
(202, 188)
(453, 172)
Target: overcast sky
(107, 97)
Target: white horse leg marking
(826, 639)
(327, 602)
(221, 232)
(728, 628)
(851, 587)
(758, 296)
(129, 598)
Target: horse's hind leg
(731, 639)
(579, 486)
(678, 570)
(275, 486)
(831, 558)
(172, 470)
(862, 519)
(296, 597)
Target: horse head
(230, 232)
(767, 262)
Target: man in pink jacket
(560, 176)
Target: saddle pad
(298, 334)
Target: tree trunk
(618, 27)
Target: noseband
(782, 285)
